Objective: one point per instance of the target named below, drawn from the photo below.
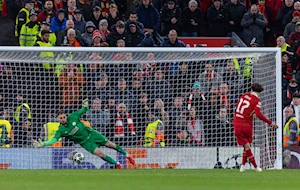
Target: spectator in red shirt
(295, 36)
(48, 13)
(290, 27)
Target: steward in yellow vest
(6, 133)
(52, 37)
(154, 135)
(291, 128)
(23, 16)
(46, 56)
(22, 112)
(29, 31)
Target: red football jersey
(247, 105)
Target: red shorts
(243, 134)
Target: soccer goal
(168, 107)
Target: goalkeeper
(73, 129)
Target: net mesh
(189, 96)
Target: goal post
(191, 92)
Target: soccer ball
(78, 158)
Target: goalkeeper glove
(38, 143)
(86, 103)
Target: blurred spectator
(96, 16)
(87, 36)
(8, 83)
(100, 88)
(61, 36)
(294, 37)
(225, 96)
(236, 11)
(154, 133)
(58, 23)
(170, 17)
(137, 87)
(287, 94)
(58, 4)
(37, 5)
(86, 9)
(96, 39)
(135, 35)
(281, 43)
(70, 81)
(124, 128)
(90, 73)
(195, 98)
(69, 11)
(48, 13)
(162, 114)
(192, 129)
(79, 23)
(103, 29)
(289, 16)
(218, 20)
(6, 132)
(191, 20)
(290, 27)
(176, 110)
(148, 41)
(220, 131)
(122, 6)
(231, 75)
(158, 4)
(288, 6)
(22, 121)
(253, 23)
(98, 118)
(121, 43)
(264, 9)
(117, 33)
(172, 41)
(43, 41)
(159, 87)
(209, 78)
(123, 95)
(23, 16)
(291, 128)
(10, 9)
(30, 30)
(287, 69)
(141, 114)
(113, 16)
(296, 105)
(133, 18)
(182, 80)
(46, 26)
(149, 16)
(104, 5)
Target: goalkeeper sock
(120, 149)
(251, 158)
(244, 158)
(110, 160)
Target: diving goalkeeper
(73, 129)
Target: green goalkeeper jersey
(74, 130)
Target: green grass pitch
(160, 179)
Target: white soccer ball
(78, 158)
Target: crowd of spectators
(194, 100)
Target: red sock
(244, 158)
(251, 157)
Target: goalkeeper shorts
(95, 141)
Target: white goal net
(187, 94)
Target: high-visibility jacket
(52, 38)
(286, 132)
(237, 65)
(50, 128)
(47, 56)
(6, 132)
(284, 47)
(18, 112)
(248, 68)
(17, 20)
(28, 35)
(153, 135)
